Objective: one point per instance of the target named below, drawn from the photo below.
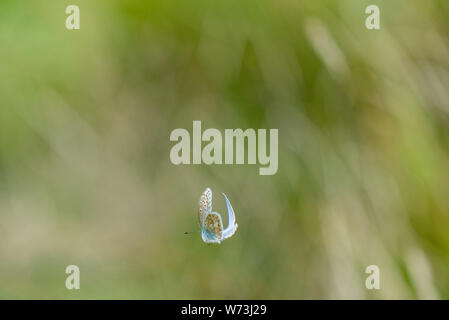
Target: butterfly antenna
(189, 232)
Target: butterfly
(211, 224)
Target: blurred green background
(85, 174)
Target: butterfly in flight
(211, 224)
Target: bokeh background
(85, 174)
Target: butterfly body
(212, 230)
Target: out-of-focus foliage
(85, 175)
